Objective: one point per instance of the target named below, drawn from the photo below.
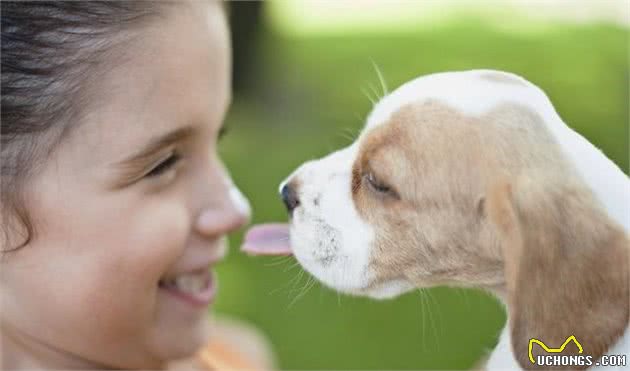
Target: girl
(115, 205)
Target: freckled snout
(289, 195)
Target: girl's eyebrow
(159, 142)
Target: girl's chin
(178, 338)
(182, 344)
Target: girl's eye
(164, 165)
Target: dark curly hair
(52, 53)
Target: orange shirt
(234, 345)
(220, 356)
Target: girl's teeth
(192, 283)
(189, 283)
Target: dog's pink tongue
(267, 239)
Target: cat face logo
(553, 350)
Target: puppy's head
(404, 205)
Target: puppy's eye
(377, 185)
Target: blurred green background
(303, 73)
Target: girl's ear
(566, 267)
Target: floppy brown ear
(566, 266)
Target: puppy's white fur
(331, 223)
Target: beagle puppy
(472, 179)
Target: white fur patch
(328, 237)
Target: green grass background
(308, 100)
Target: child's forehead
(173, 76)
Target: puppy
(472, 179)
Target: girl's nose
(231, 213)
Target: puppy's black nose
(289, 197)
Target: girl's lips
(199, 299)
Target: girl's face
(132, 200)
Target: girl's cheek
(150, 242)
(157, 240)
